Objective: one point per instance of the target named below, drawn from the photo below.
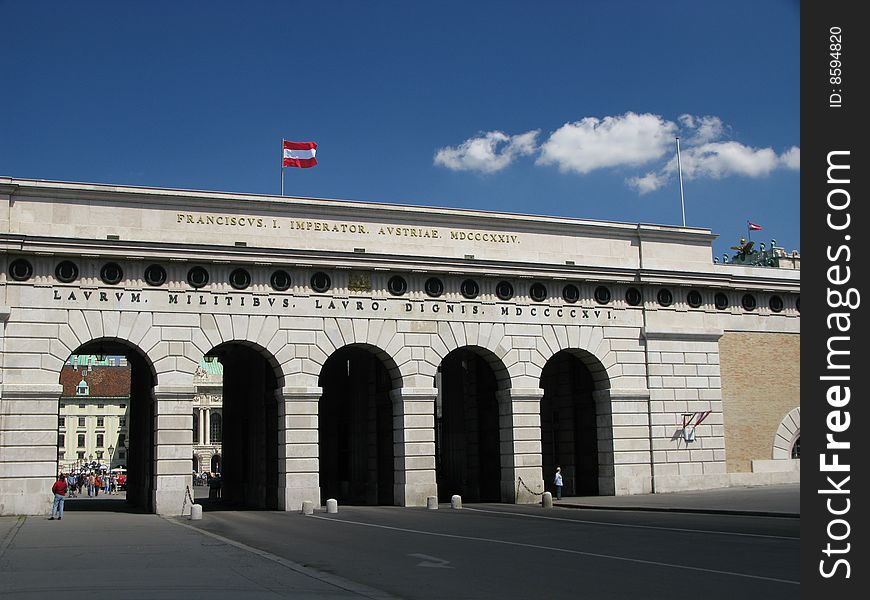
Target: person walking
(59, 489)
(558, 481)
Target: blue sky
(555, 108)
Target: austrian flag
(299, 154)
(752, 226)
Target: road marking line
(334, 580)
(610, 524)
(562, 550)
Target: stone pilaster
(414, 445)
(173, 441)
(520, 439)
(28, 447)
(298, 452)
(623, 442)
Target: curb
(671, 509)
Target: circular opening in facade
(155, 275)
(775, 304)
(665, 297)
(434, 287)
(721, 301)
(504, 290)
(20, 269)
(571, 293)
(197, 277)
(693, 298)
(66, 271)
(320, 282)
(240, 279)
(469, 289)
(748, 302)
(602, 294)
(397, 285)
(632, 296)
(111, 273)
(538, 292)
(280, 280)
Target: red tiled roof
(103, 382)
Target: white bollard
(456, 501)
(308, 507)
(432, 502)
(332, 506)
(547, 500)
(196, 512)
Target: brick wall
(760, 385)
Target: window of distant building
(100, 440)
(81, 455)
(62, 422)
(81, 440)
(81, 421)
(216, 428)
(61, 440)
(101, 406)
(101, 421)
(82, 389)
(196, 427)
(122, 422)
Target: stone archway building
(172, 275)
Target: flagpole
(748, 231)
(680, 167)
(282, 167)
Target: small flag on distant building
(752, 226)
(299, 154)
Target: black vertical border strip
(828, 126)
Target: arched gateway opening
(467, 450)
(105, 424)
(355, 419)
(245, 427)
(574, 424)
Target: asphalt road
(508, 551)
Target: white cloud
(589, 144)
(719, 159)
(706, 129)
(648, 183)
(791, 158)
(628, 140)
(490, 152)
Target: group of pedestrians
(72, 485)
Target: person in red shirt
(59, 488)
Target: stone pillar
(206, 413)
(520, 440)
(414, 445)
(28, 448)
(298, 452)
(173, 439)
(623, 442)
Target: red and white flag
(752, 226)
(300, 154)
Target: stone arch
(787, 433)
(378, 336)
(357, 412)
(586, 343)
(487, 340)
(138, 435)
(261, 333)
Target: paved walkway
(127, 554)
(94, 554)
(775, 500)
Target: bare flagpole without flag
(680, 169)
